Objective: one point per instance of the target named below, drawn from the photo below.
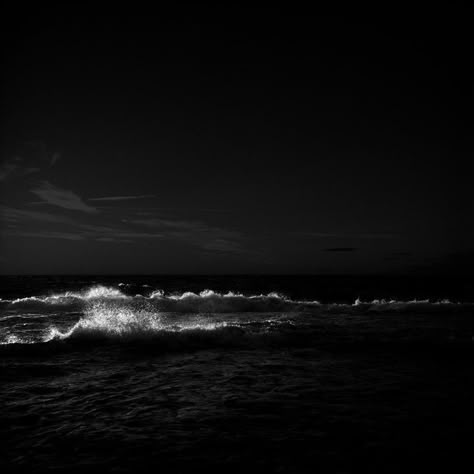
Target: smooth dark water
(283, 374)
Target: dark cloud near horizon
(341, 249)
(346, 235)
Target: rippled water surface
(260, 374)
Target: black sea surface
(261, 374)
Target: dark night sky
(251, 141)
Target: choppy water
(264, 374)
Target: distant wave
(68, 298)
(385, 305)
(209, 301)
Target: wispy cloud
(45, 234)
(30, 157)
(110, 228)
(122, 198)
(32, 223)
(62, 198)
(10, 214)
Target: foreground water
(267, 374)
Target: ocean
(236, 373)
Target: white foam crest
(14, 339)
(68, 297)
(28, 299)
(359, 302)
(209, 301)
(413, 303)
(96, 292)
(106, 320)
(392, 305)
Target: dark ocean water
(261, 374)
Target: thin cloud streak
(45, 234)
(122, 198)
(10, 214)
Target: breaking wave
(139, 325)
(209, 301)
(106, 322)
(191, 321)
